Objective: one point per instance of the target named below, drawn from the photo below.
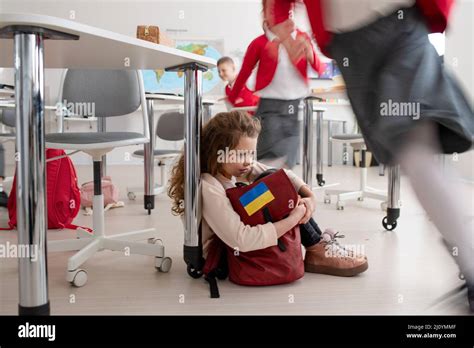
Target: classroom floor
(408, 268)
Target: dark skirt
(280, 135)
(395, 79)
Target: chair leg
(98, 224)
(84, 254)
(67, 244)
(90, 243)
(135, 235)
(364, 190)
(156, 250)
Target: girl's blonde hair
(222, 131)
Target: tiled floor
(408, 268)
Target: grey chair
(111, 93)
(7, 119)
(170, 127)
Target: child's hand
(296, 49)
(310, 206)
(297, 213)
(308, 49)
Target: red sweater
(244, 98)
(266, 52)
(436, 13)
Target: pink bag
(109, 190)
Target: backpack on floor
(109, 190)
(268, 199)
(62, 192)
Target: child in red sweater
(281, 84)
(227, 73)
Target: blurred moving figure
(408, 107)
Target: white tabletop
(96, 48)
(244, 108)
(9, 104)
(175, 99)
(340, 103)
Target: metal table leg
(393, 205)
(308, 143)
(102, 128)
(329, 144)
(345, 154)
(192, 189)
(31, 200)
(319, 147)
(206, 116)
(149, 161)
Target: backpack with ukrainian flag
(268, 199)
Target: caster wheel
(327, 200)
(339, 206)
(194, 273)
(131, 196)
(383, 206)
(360, 199)
(79, 278)
(154, 241)
(321, 183)
(387, 226)
(165, 264)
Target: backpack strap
(213, 288)
(215, 265)
(268, 218)
(75, 227)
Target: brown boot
(330, 258)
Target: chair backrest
(170, 126)
(107, 92)
(8, 117)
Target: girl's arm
(277, 13)
(309, 201)
(227, 225)
(312, 56)
(252, 56)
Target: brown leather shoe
(330, 258)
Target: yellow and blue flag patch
(254, 199)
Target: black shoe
(3, 199)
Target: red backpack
(62, 191)
(268, 199)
